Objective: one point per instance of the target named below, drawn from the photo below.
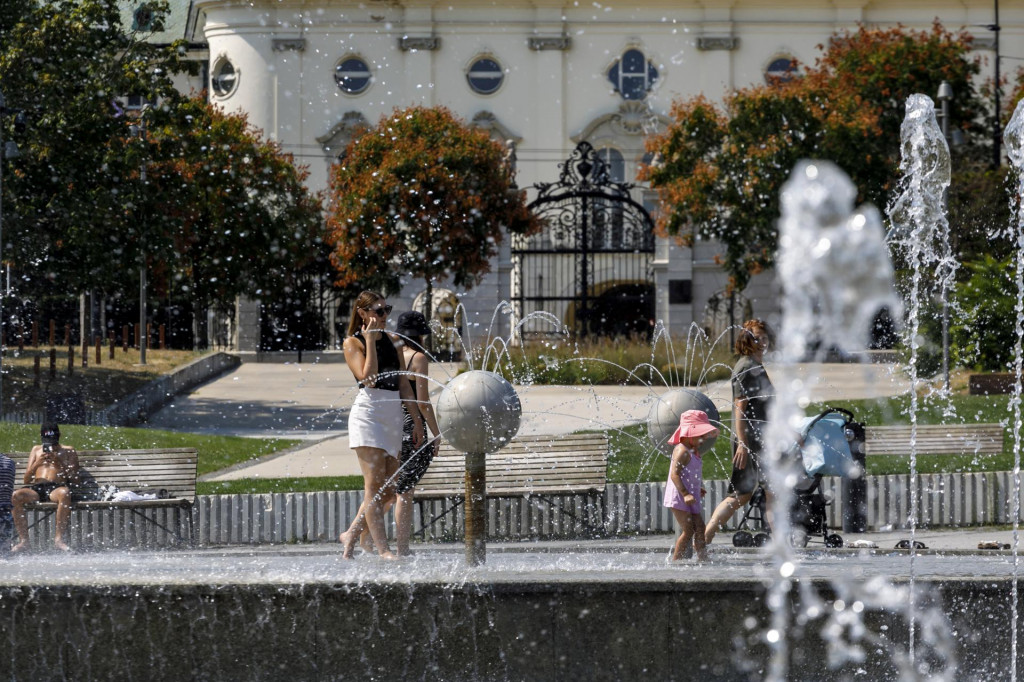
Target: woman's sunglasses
(381, 310)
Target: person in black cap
(51, 472)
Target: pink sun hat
(692, 424)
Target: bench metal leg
(165, 528)
(423, 529)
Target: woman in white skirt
(375, 422)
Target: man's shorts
(744, 481)
(44, 490)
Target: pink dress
(691, 478)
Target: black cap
(412, 323)
(50, 433)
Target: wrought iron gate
(590, 265)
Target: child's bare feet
(20, 547)
(61, 545)
(387, 554)
(348, 539)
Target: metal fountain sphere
(663, 419)
(479, 412)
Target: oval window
(485, 76)
(224, 78)
(353, 75)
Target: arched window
(633, 75)
(352, 75)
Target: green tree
(721, 169)
(62, 64)
(983, 334)
(423, 195)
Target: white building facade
(545, 74)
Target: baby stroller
(824, 450)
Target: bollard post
(67, 335)
(35, 333)
(35, 372)
(476, 502)
(99, 350)
(53, 332)
(113, 345)
(85, 352)
(163, 337)
(71, 360)
(53, 363)
(124, 339)
(138, 338)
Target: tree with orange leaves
(421, 195)
(720, 168)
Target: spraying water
(1014, 138)
(835, 274)
(921, 233)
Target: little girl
(683, 492)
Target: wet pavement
(950, 555)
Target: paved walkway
(309, 402)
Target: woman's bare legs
(373, 463)
(723, 512)
(403, 520)
(386, 499)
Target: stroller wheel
(762, 539)
(833, 541)
(742, 539)
(798, 538)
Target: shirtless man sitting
(52, 470)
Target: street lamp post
(945, 95)
(139, 131)
(8, 150)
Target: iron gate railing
(590, 265)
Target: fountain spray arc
(478, 412)
(920, 231)
(1013, 136)
(834, 269)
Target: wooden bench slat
(934, 439)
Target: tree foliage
(722, 167)
(234, 215)
(201, 198)
(62, 64)
(983, 335)
(422, 195)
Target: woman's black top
(387, 362)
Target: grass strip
(215, 452)
(255, 486)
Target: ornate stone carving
(289, 44)
(335, 141)
(550, 42)
(495, 128)
(407, 43)
(717, 42)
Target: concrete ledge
(135, 408)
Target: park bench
(167, 472)
(530, 467)
(935, 439)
